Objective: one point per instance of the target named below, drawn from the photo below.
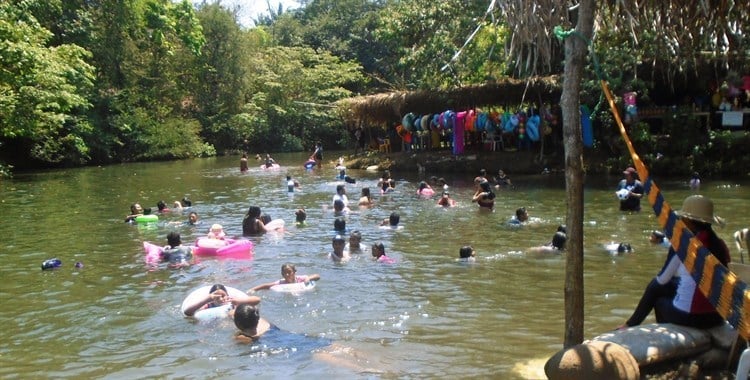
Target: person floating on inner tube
(175, 253)
(136, 210)
(269, 161)
(289, 276)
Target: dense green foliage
(101, 81)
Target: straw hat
(698, 208)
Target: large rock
(654, 343)
(594, 360)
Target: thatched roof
(391, 107)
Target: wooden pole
(576, 47)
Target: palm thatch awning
(391, 107)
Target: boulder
(593, 360)
(654, 343)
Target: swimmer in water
(289, 276)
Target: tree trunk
(575, 58)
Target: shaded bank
(442, 161)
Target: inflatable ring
(408, 121)
(532, 128)
(142, 219)
(426, 119)
(240, 248)
(294, 287)
(211, 313)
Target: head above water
(339, 224)
(394, 219)
(174, 239)
(466, 252)
(246, 318)
(288, 268)
(338, 239)
(161, 205)
(378, 249)
(193, 217)
(253, 212)
(562, 228)
(559, 239)
(136, 208)
(657, 236)
(338, 205)
(522, 214)
(300, 215)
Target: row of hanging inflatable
(524, 123)
(527, 124)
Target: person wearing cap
(634, 189)
(339, 254)
(681, 302)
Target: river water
(424, 316)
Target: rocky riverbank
(443, 161)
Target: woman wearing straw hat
(680, 301)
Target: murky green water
(426, 316)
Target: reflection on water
(427, 315)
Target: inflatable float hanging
(309, 164)
(294, 287)
(240, 248)
(211, 313)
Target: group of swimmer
(672, 294)
(137, 210)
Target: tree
(576, 47)
(420, 37)
(220, 75)
(43, 89)
(290, 97)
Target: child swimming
(467, 254)
(289, 276)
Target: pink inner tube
(239, 249)
(427, 192)
(272, 167)
(153, 252)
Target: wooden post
(576, 47)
